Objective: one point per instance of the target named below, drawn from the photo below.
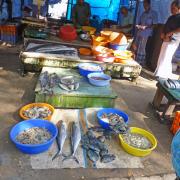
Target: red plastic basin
(68, 33)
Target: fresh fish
(93, 156)
(137, 140)
(116, 123)
(103, 152)
(75, 140)
(107, 158)
(44, 79)
(102, 139)
(69, 87)
(64, 87)
(62, 134)
(67, 80)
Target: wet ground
(134, 98)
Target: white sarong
(164, 66)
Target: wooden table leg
(168, 111)
(157, 98)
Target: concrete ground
(134, 98)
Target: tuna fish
(62, 134)
(75, 141)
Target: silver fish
(75, 141)
(67, 80)
(69, 87)
(64, 87)
(62, 134)
(44, 79)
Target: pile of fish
(36, 112)
(53, 49)
(49, 81)
(137, 140)
(116, 123)
(96, 148)
(91, 67)
(68, 83)
(75, 140)
(34, 135)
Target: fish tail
(71, 157)
(56, 155)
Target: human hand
(162, 35)
(141, 27)
(169, 34)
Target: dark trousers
(149, 51)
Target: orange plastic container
(28, 106)
(85, 51)
(176, 123)
(99, 41)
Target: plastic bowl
(136, 151)
(67, 33)
(105, 125)
(85, 51)
(118, 47)
(101, 50)
(89, 29)
(84, 72)
(99, 82)
(105, 58)
(37, 148)
(28, 106)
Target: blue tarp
(4, 12)
(105, 9)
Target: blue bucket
(30, 148)
(105, 125)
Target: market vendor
(126, 21)
(81, 13)
(171, 41)
(145, 27)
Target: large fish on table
(62, 134)
(75, 141)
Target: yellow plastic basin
(136, 151)
(28, 106)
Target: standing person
(81, 13)
(126, 21)
(171, 40)
(145, 27)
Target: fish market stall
(32, 61)
(82, 95)
(108, 153)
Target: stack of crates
(10, 33)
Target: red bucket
(68, 33)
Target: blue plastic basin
(37, 148)
(118, 47)
(84, 72)
(105, 125)
(99, 82)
